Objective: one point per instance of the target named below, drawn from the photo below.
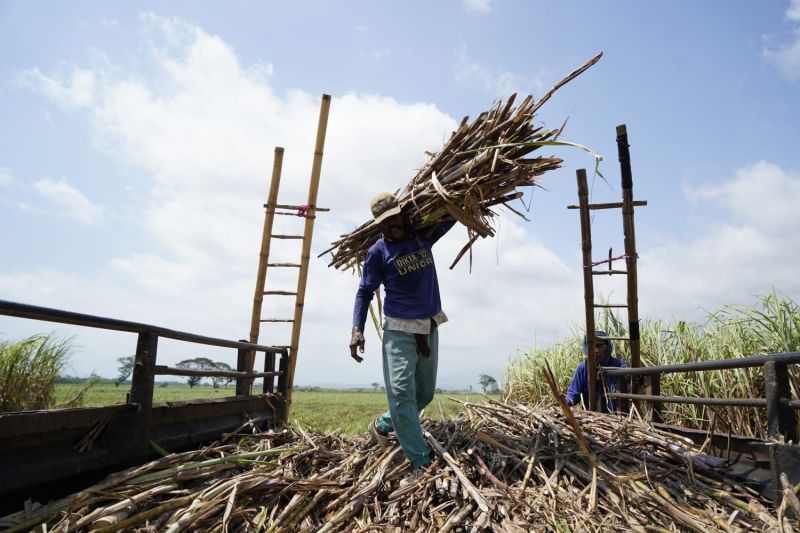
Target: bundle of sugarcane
(497, 467)
(482, 165)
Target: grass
(344, 411)
(771, 326)
(108, 394)
(350, 411)
(28, 372)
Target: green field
(324, 410)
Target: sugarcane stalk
(473, 492)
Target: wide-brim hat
(383, 206)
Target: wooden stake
(588, 285)
(313, 188)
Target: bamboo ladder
(307, 211)
(627, 205)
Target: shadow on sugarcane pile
(501, 467)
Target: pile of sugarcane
(482, 165)
(496, 467)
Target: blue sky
(136, 145)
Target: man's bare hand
(356, 341)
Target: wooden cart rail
(781, 419)
(781, 449)
(145, 368)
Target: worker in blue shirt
(402, 261)
(579, 387)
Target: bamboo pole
(588, 284)
(313, 188)
(263, 259)
(630, 245)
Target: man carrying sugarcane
(579, 387)
(402, 261)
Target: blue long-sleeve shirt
(408, 273)
(579, 386)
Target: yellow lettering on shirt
(413, 262)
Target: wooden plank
(287, 206)
(313, 189)
(281, 293)
(656, 398)
(277, 320)
(588, 285)
(142, 384)
(653, 390)
(781, 419)
(610, 306)
(784, 459)
(720, 364)
(49, 467)
(35, 312)
(268, 386)
(297, 237)
(283, 386)
(610, 205)
(608, 272)
(243, 384)
(20, 424)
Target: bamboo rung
(277, 320)
(610, 205)
(610, 306)
(614, 338)
(282, 293)
(286, 236)
(285, 206)
(293, 265)
(608, 272)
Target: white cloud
(793, 13)
(753, 247)
(380, 54)
(69, 201)
(787, 58)
(497, 82)
(762, 195)
(5, 176)
(478, 6)
(68, 91)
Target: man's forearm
(360, 310)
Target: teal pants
(410, 380)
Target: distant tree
(197, 363)
(216, 381)
(488, 383)
(376, 386)
(204, 363)
(124, 369)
